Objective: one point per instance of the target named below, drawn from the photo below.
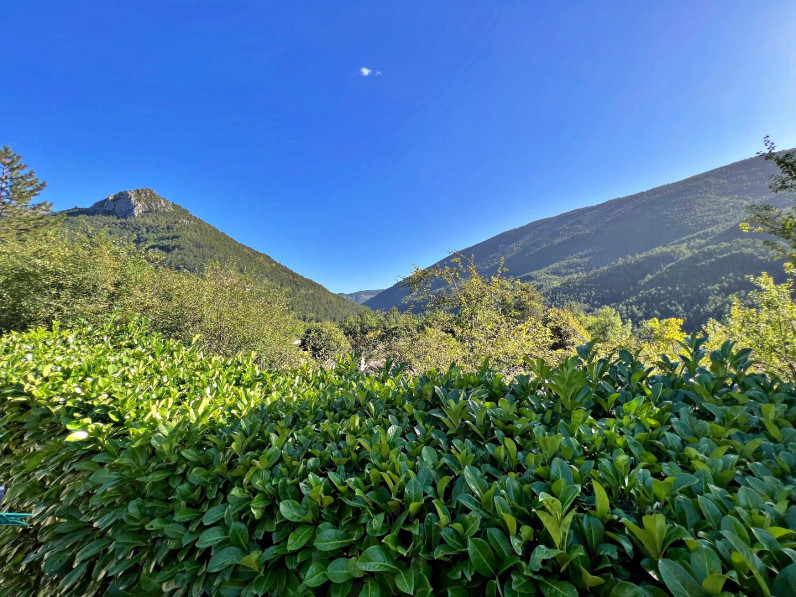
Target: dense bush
(767, 325)
(467, 318)
(605, 327)
(76, 280)
(152, 469)
(495, 318)
(566, 331)
(324, 341)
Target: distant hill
(148, 220)
(672, 251)
(360, 296)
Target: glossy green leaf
(405, 581)
(292, 511)
(784, 582)
(678, 581)
(342, 570)
(377, 559)
(331, 539)
(370, 589)
(316, 574)
(300, 537)
(239, 535)
(224, 558)
(482, 557)
(214, 514)
(557, 588)
(212, 536)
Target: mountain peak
(130, 204)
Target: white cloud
(365, 71)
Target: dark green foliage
(785, 180)
(672, 251)
(18, 187)
(779, 223)
(324, 341)
(154, 470)
(186, 242)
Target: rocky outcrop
(129, 204)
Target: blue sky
(475, 117)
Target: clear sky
(350, 140)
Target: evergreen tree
(18, 186)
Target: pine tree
(18, 187)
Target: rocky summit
(184, 242)
(130, 204)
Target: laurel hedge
(152, 468)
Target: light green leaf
(511, 523)
(589, 580)
(76, 436)
(252, 561)
(601, 505)
(714, 583)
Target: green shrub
(427, 348)
(606, 328)
(497, 319)
(767, 325)
(80, 280)
(566, 332)
(152, 469)
(324, 341)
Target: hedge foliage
(153, 469)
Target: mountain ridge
(360, 296)
(129, 204)
(590, 255)
(147, 220)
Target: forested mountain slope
(671, 251)
(143, 217)
(360, 296)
